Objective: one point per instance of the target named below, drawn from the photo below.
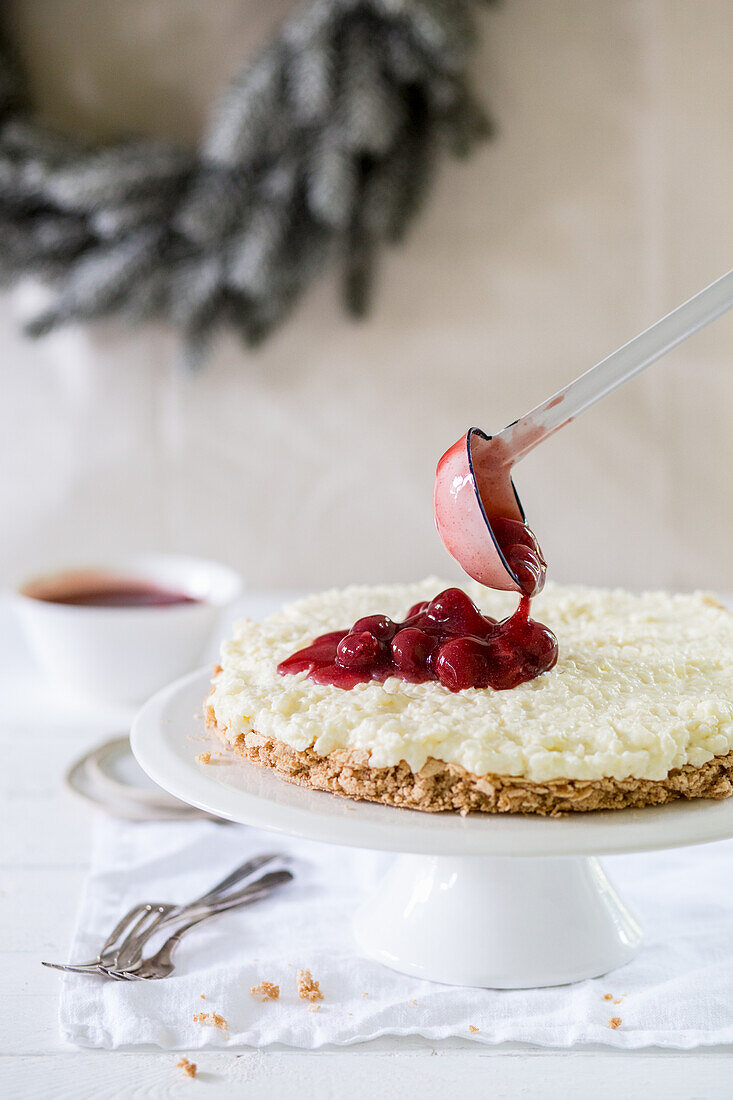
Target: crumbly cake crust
(439, 787)
(308, 988)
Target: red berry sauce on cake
(446, 639)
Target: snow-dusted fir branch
(321, 150)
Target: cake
(637, 711)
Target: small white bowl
(124, 654)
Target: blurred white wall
(604, 202)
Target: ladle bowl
(472, 484)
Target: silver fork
(130, 956)
(144, 919)
(160, 965)
(139, 923)
(131, 951)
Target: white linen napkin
(678, 992)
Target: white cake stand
(507, 902)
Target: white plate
(169, 733)
(110, 778)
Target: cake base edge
(440, 788)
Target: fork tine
(123, 948)
(115, 975)
(160, 965)
(121, 925)
(82, 967)
(70, 968)
(142, 928)
(130, 953)
(145, 920)
(132, 950)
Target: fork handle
(130, 953)
(163, 957)
(243, 871)
(255, 892)
(268, 881)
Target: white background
(604, 201)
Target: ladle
(473, 482)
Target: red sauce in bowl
(103, 590)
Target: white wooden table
(44, 852)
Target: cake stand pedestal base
(497, 922)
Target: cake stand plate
(500, 901)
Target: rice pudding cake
(636, 711)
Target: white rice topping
(643, 684)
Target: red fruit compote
(446, 639)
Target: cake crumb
(608, 996)
(614, 1022)
(308, 987)
(189, 1068)
(314, 1008)
(203, 996)
(204, 758)
(212, 1019)
(266, 991)
(618, 1000)
(472, 1028)
(365, 994)
(413, 1002)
